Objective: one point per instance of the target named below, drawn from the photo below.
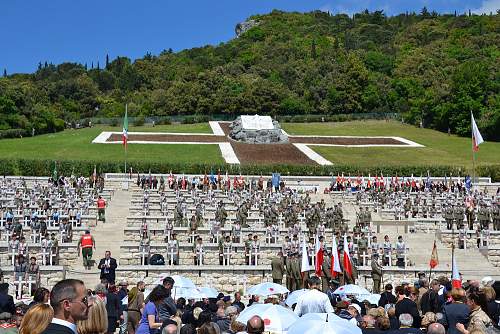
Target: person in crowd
(36, 320)
(478, 319)
(430, 299)
(436, 328)
(493, 305)
(122, 293)
(237, 302)
(455, 312)
(314, 300)
(6, 300)
(69, 301)
(387, 297)
(135, 306)
(97, 321)
(113, 308)
(150, 320)
(41, 296)
(255, 325)
(167, 308)
(406, 304)
(406, 322)
(108, 265)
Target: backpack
(157, 260)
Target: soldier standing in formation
(277, 268)
(496, 217)
(448, 217)
(377, 273)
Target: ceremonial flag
(319, 258)
(456, 282)
(468, 183)
(335, 267)
(305, 266)
(347, 258)
(94, 175)
(476, 135)
(125, 129)
(434, 257)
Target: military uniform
(327, 274)
(277, 269)
(448, 216)
(362, 248)
(376, 274)
(496, 217)
(484, 217)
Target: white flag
(476, 135)
(305, 266)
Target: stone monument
(257, 130)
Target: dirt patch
(170, 138)
(270, 154)
(346, 141)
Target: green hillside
(429, 68)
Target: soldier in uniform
(248, 248)
(297, 277)
(327, 270)
(458, 215)
(484, 217)
(173, 250)
(496, 217)
(387, 246)
(277, 268)
(376, 273)
(368, 217)
(221, 214)
(469, 213)
(362, 248)
(448, 216)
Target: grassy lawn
(76, 145)
(440, 149)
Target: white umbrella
(294, 297)
(179, 281)
(352, 289)
(373, 298)
(330, 317)
(322, 327)
(266, 289)
(146, 294)
(189, 293)
(209, 292)
(276, 317)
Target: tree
(107, 61)
(5, 73)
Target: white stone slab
(216, 129)
(228, 153)
(257, 122)
(313, 155)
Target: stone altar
(257, 130)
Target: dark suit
(386, 297)
(57, 329)
(407, 305)
(455, 313)
(110, 274)
(7, 304)
(113, 309)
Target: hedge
(67, 167)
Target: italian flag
(125, 129)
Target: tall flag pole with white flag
(456, 281)
(335, 268)
(125, 135)
(476, 140)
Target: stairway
(108, 236)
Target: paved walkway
(108, 236)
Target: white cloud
(488, 6)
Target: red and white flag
(476, 135)
(335, 267)
(456, 281)
(305, 266)
(318, 266)
(347, 258)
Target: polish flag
(335, 267)
(347, 258)
(319, 258)
(456, 282)
(476, 135)
(304, 266)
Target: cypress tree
(5, 73)
(107, 61)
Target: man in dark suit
(69, 301)
(108, 266)
(387, 297)
(456, 312)
(406, 305)
(6, 300)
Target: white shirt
(313, 301)
(65, 324)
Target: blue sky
(85, 31)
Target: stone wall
(494, 255)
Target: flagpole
(473, 153)
(126, 144)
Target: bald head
(255, 325)
(436, 328)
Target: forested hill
(429, 67)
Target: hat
(357, 307)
